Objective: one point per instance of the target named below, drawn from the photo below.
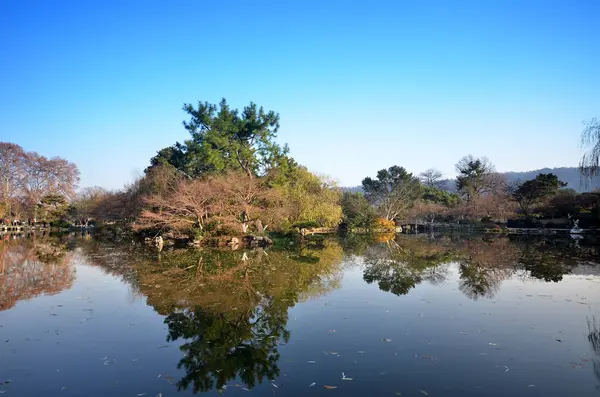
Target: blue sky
(359, 85)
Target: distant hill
(570, 175)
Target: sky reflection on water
(444, 317)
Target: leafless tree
(431, 178)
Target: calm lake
(410, 316)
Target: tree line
(483, 195)
(231, 176)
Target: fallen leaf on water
(312, 384)
(274, 385)
(506, 369)
(558, 340)
(312, 362)
(531, 386)
(424, 392)
(244, 389)
(159, 395)
(387, 340)
(330, 387)
(141, 394)
(398, 393)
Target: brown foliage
(232, 201)
(182, 208)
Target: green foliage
(438, 196)
(312, 199)
(536, 191)
(53, 208)
(393, 192)
(225, 139)
(357, 211)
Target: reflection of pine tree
(220, 347)
(398, 267)
(477, 281)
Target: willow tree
(590, 139)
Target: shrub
(384, 224)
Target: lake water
(414, 316)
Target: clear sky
(359, 85)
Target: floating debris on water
(423, 392)
(330, 387)
(506, 369)
(312, 384)
(387, 340)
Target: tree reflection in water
(33, 266)
(484, 262)
(231, 307)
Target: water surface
(411, 316)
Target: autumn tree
(247, 201)
(185, 208)
(393, 192)
(535, 191)
(312, 198)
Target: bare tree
(186, 207)
(27, 177)
(12, 159)
(431, 178)
(244, 201)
